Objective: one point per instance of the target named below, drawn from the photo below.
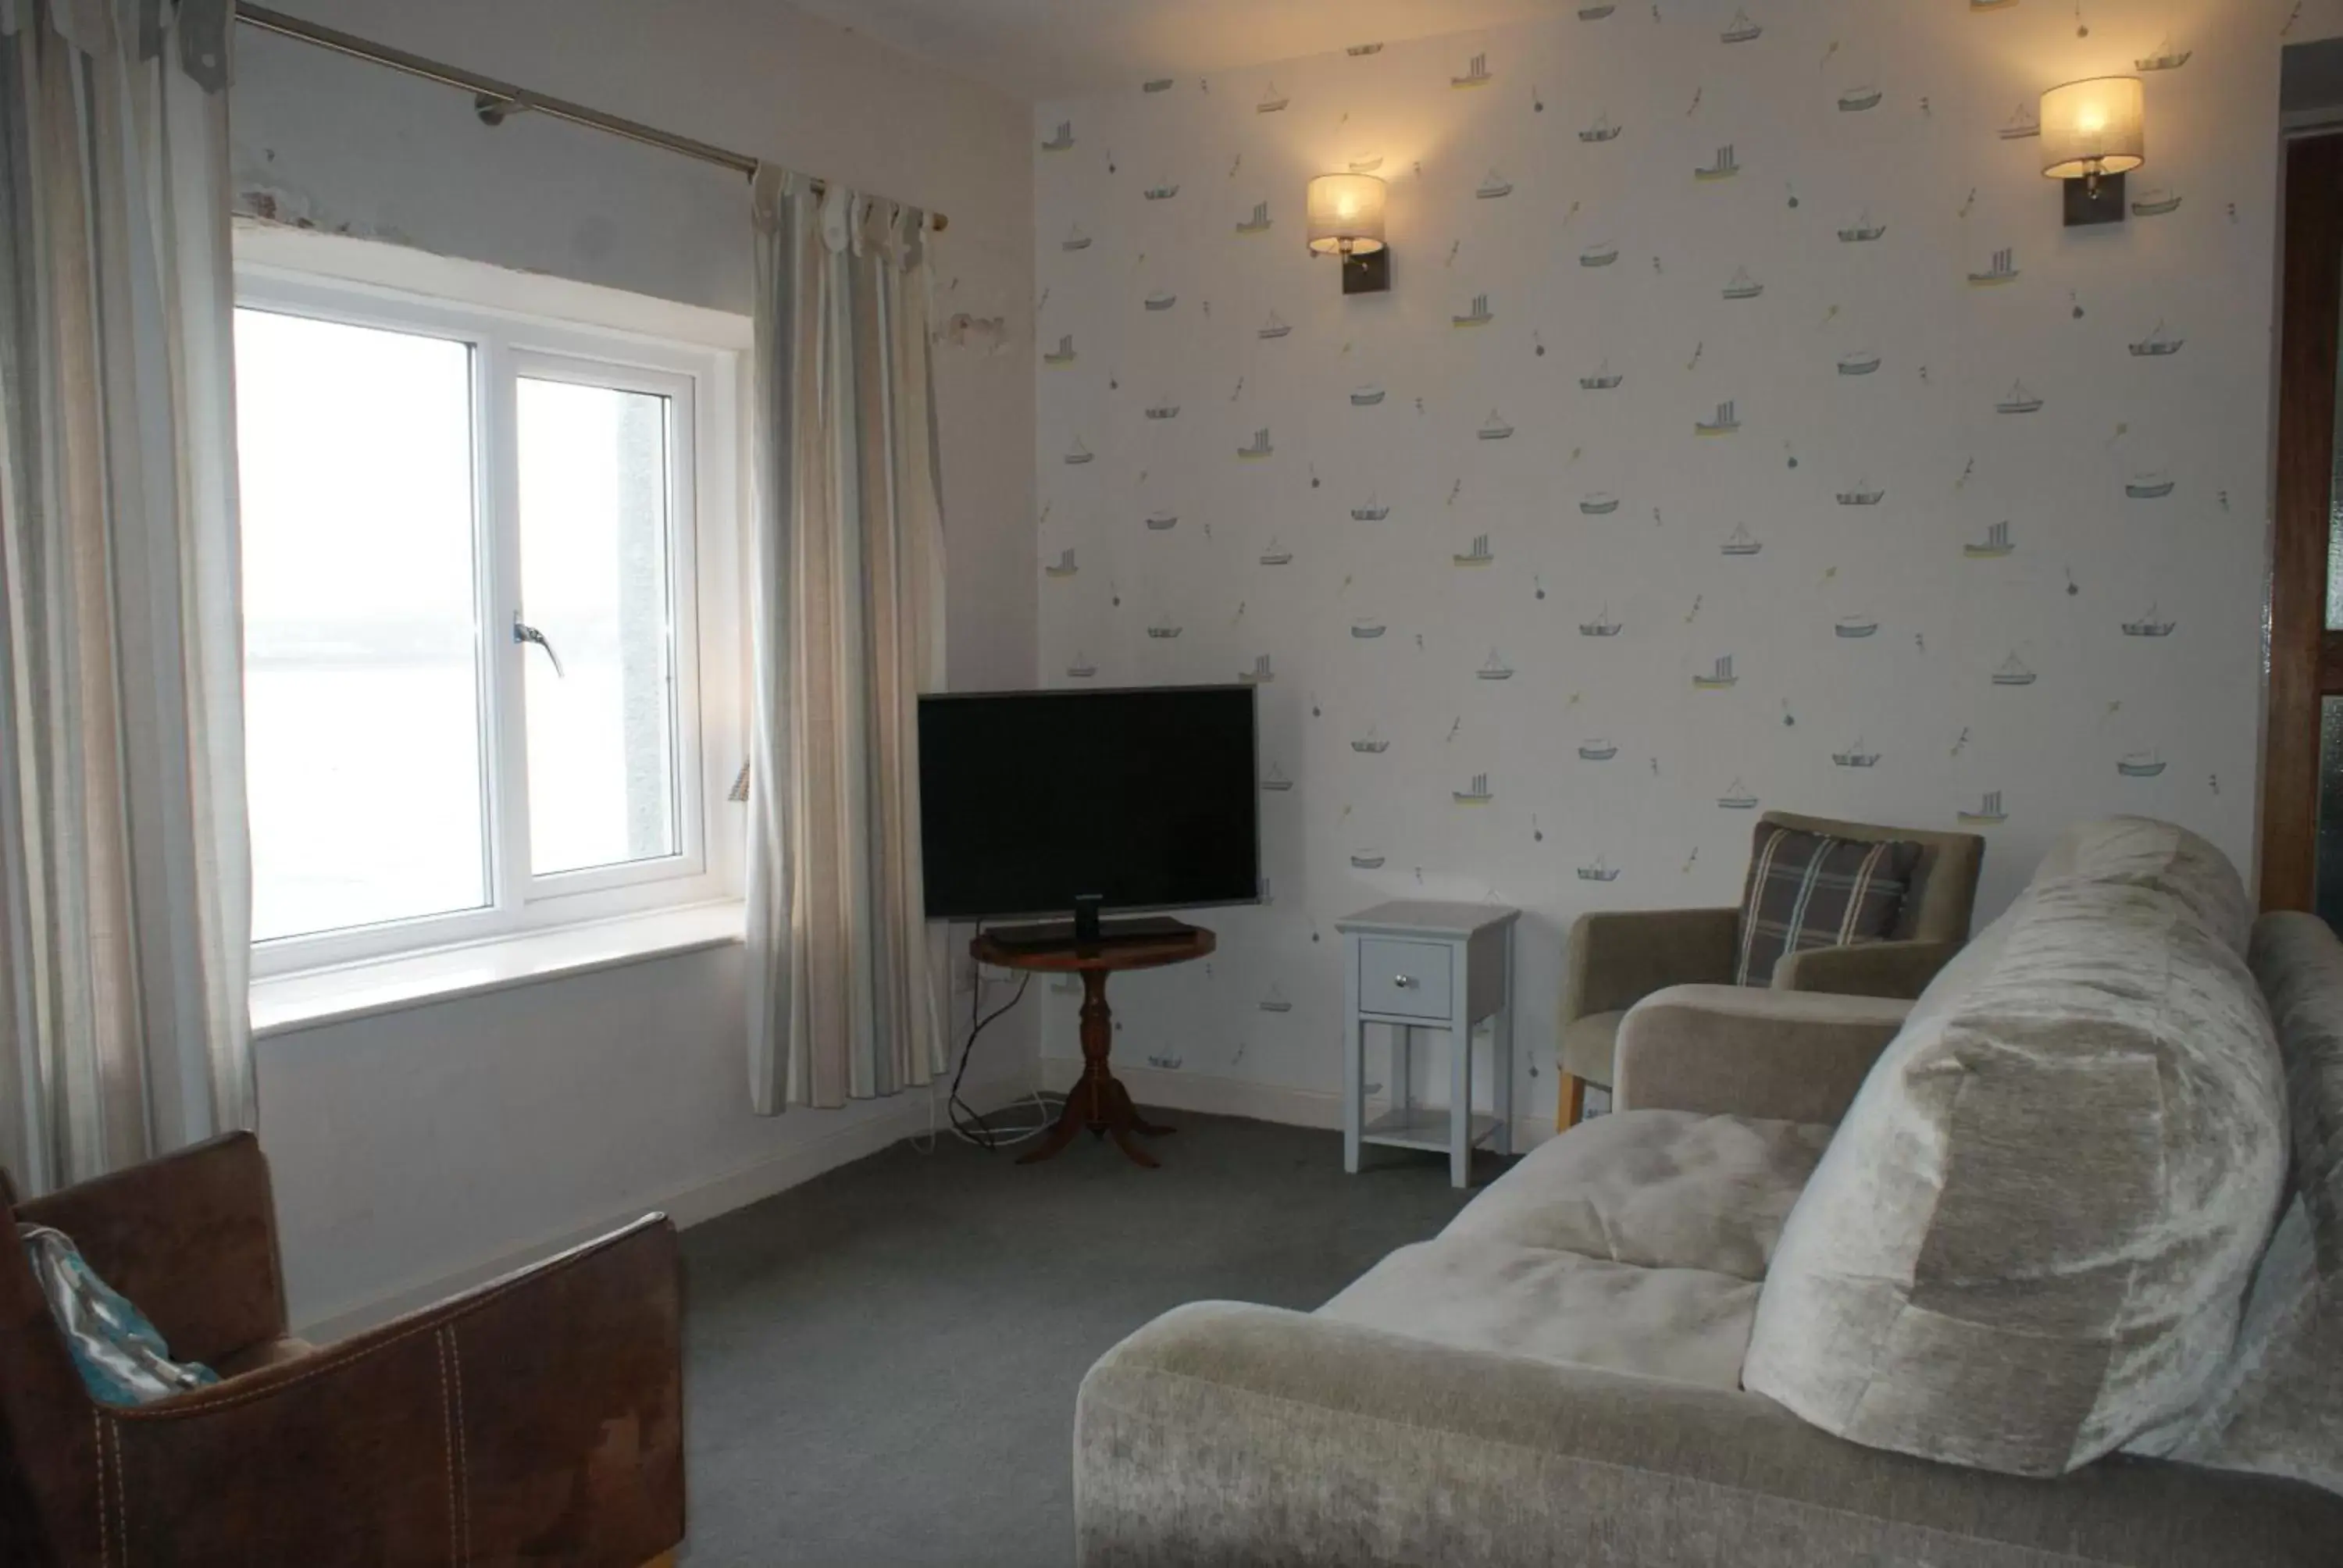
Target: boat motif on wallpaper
(1720, 676)
(1367, 630)
(1065, 566)
(1862, 493)
(1163, 411)
(1077, 454)
(2026, 121)
(2141, 765)
(1852, 626)
(1740, 542)
(1276, 555)
(1477, 314)
(1272, 101)
(1741, 29)
(1476, 792)
(1604, 379)
(1602, 870)
(2158, 345)
(1494, 668)
(1727, 421)
(1480, 555)
(2151, 486)
(1164, 1063)
(1858, 362)
(1360, 51)
(1366, 396)
(1156, 85)
(2166, 58)
(1162, 192)
(1258, 222)
(1060, 139)
(2155, 202)
(1988, 810)
(1494, 428)
(1082, 669)
(1493, 186)
(1476, 73)
(1258, 448)
(1742, 285)
(1165, 631)
(1595, 13)
(1724, 166)
(1162, 522)
(1736, 798)
(2149, 625)
(1063, 355)
(1274, 327)
(1275, 782)
(2001, 269)
(1995, 544)
(2020, 401)
(1602, 255)
(1863, 230)
(1367, 164)
(1602, 750)
(1368, 860)
(1162, 299)
(2012, 671)
(1979, 5)
(1371, 744)
(1854, 756)
(1261, 674)
(1600, 504)
(1075, 239)
(1275, 1000)
(1601, 626)
(1601, 131)
(1374, 511)
(1855, 100)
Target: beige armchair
(1619, 958)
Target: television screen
(1146, 799)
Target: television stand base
(1048, 936)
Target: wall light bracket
(1368, 272)
(2094, 198)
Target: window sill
(282, 1004)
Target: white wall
(1927, 163)
(414, 1148)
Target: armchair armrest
(190, 1237)
(536, 1419)
(1244, 1436)
(1866, 969)
(1619, 956)
(1743, 1050)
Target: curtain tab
(768, 189)
(836, 213)
(205, 27)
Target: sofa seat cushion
(1588, 1045)
(1658, 1188)
(1480, 1293)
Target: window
(474, 623)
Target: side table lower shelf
(1425, 1127)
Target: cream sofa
(1982, 1281)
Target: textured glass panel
(362, 693)
(594, 551)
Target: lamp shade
(2094, 127)
(1346, 215)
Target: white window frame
(601, 337)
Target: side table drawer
(1409, 978)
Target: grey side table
(1419, 964)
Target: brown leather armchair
(535, 1419)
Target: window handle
(524, 632)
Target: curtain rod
(492, 94)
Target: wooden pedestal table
(1099, 1101)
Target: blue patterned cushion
(120, 1355)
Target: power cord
(968, 1126)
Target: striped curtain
(846, 610)
(124, 887)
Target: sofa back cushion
(2030, 1238)
(2278, 1406)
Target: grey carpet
(880, 1364)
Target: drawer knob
(1403, 981)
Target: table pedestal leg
(1098, 1100)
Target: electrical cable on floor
(967, 1125)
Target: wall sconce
(2091, 135)
(1346, 219)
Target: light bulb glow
(2094, 127)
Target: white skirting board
(1216, 1096)
(693, 1205)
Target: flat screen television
(1038, 803)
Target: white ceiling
(1039, 49)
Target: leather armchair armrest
(536, 1419)
(1619, 956)
(1866, 969)
(190, 1238)
(1746, 1051)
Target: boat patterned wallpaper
(1743, 430)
